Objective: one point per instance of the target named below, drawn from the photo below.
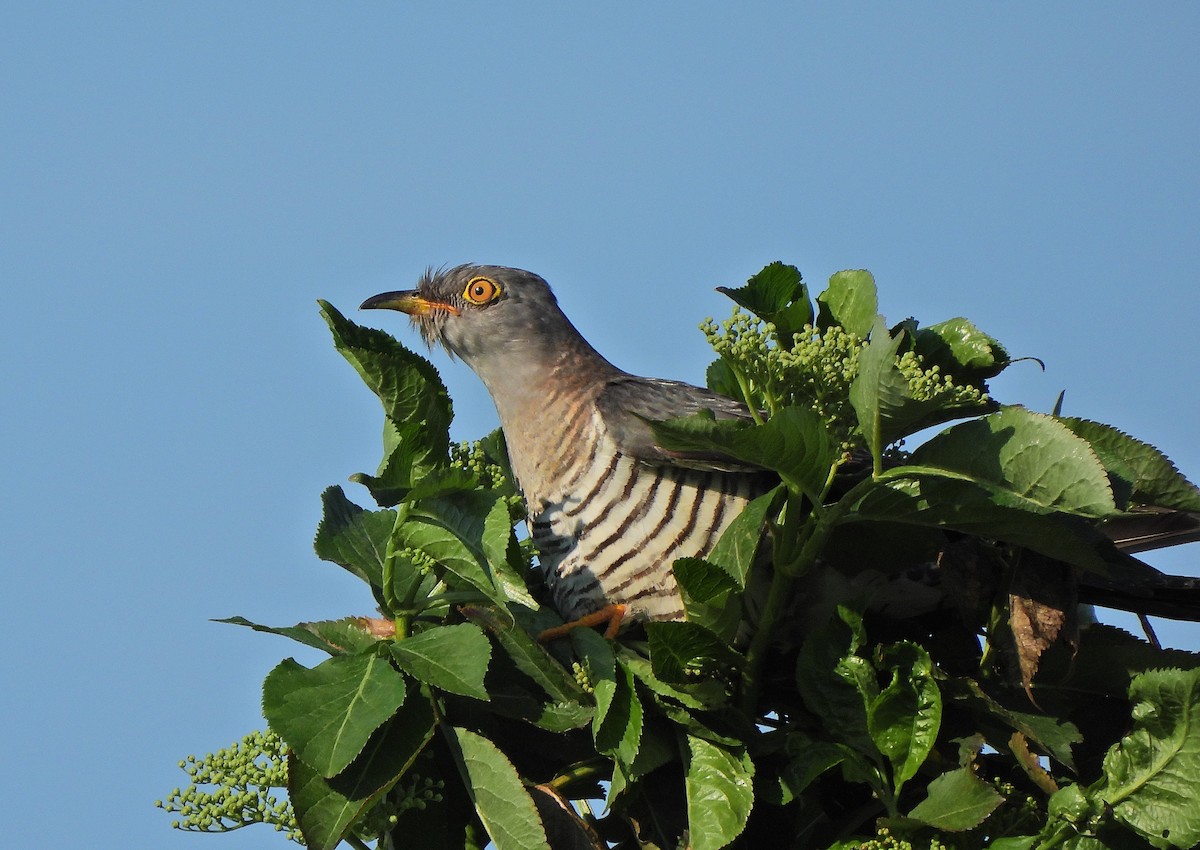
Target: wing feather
(627, 401)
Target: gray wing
(1147, 528)
(626, 402)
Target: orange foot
(611, 614)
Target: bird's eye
(481, 290)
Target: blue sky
(180, 181)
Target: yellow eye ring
(481, 290)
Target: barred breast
(611, 529)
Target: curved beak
(406, 301)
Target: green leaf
(794, 442)
(617, 725)
(707, 694)
(778, 295)
(720, 794)
(680, 652)
(327, 713)
(352, 537)
(884, 401)
(960, 349)
(837, 685)
(1015, 842)
(904, 719)
(1151, 775)
(957, 800)
(337, 637)
(807, 760)
(720, 378)
(879, 392)
(414, 400)
(451, 530)
(1052, 734)
(940, 498)
(850, 301)
(618, 722)
(1155, 480)
(1107, 661)
(530, 657)
(453, 658)
(505, 807)
(503, 554)
(737, 549)
(1031, 455)
(710, 595)
(327, 808)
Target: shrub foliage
(883, 652)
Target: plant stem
(592, 768)
(744, 386)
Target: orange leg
(611, 614)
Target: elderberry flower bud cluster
(471, 457)
(421, 560)
(815, 369)
(233, 787)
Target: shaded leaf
(530, 657)
(500, 798)
(565, 829)
(794, 442)
(451, 531)
(1108, 660)
(503, 555)
(778, 295)
(709, 595)
(807, 760)
(942, 499)
(836, 684)
(352, 537)
(1053, 735)
(1156, 481)
(617, 725)
(681, 651)
(327, 713)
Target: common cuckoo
(609, 508)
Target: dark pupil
(479, 290)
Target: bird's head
(480, 312)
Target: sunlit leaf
(327, 713)
(1151, 775)
(327, 808)
(850, 301)
(453, 658)
(957, 800)
(500, 798)
(720, 794)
